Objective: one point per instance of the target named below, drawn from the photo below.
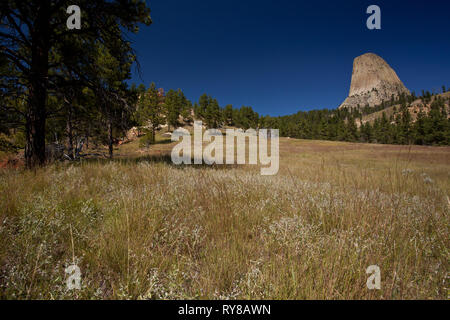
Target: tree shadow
(164, 141)
(159, 158)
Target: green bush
(147, 139)
(6, 145)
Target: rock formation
(373, 81)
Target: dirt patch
(12, 163)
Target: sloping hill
(414, 108)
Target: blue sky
(284, 56)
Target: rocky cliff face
(373, 81)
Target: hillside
(413, 108)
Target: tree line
(156, 108)
(428, 128)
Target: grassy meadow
(141, 228)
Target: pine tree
(150, 111)
(213, 114)
(38, 29)
(173, 108)
(228, 115)
(186, 106)
(203, 103)
(419, 129)
(352, 130)
(404, 127)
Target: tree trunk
(38, 80)
(35, 146)
(69, 133)
(110, 137)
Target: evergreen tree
(173, 108)
(213, 114)
(37, 29)
(203, 103)
(419, 129)
(150, 111)
(228, 115)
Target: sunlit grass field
(141, 228)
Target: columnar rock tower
(373, 81)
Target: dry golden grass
(143, 228)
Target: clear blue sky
(284, 56)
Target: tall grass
(151, 230)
